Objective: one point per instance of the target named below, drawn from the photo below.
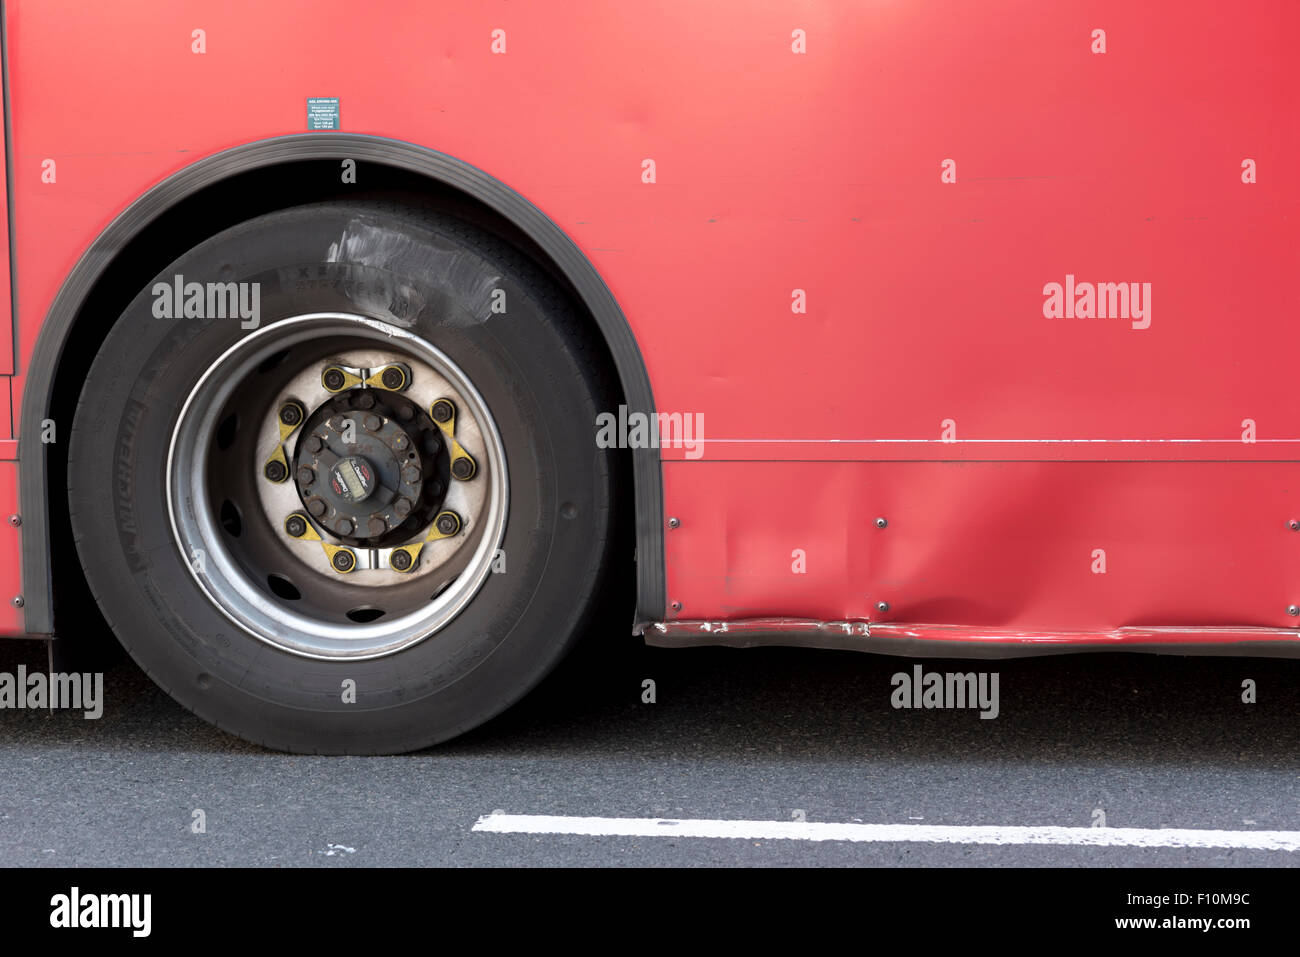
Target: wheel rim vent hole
(226, 431)
(281, 587)
(230, 518)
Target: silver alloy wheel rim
(194, 518)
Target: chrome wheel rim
(231, 522)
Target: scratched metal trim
(963, 641)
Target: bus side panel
(834, 230)
(8, 333)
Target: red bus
(357, 353)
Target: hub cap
(371, 468)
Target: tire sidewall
(438, 288)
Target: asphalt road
(767, 735)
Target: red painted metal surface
(6, 314)
(991, 545)
(8, 447)
(11, 618)
(822, 172)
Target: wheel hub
(371, 467)
(352, 479)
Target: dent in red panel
(1053, 546)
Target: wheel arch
(105, 270)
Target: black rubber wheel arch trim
(569, 259)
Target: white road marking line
(501, 823)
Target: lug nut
(344, 526)
(291, 413)
(434, 488)
(442, 410)
(316, 507)
(275, 471)
(400, 560)
(377, 526)
(394, 377)
(401, 442)
(296, 526)
(366, 400)
(333, 379)
(448, 523)
(306, 476)
(411, 474)
(462, 468)
(343, 560)
(402, 507)
(372, 423)
(314, 443)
